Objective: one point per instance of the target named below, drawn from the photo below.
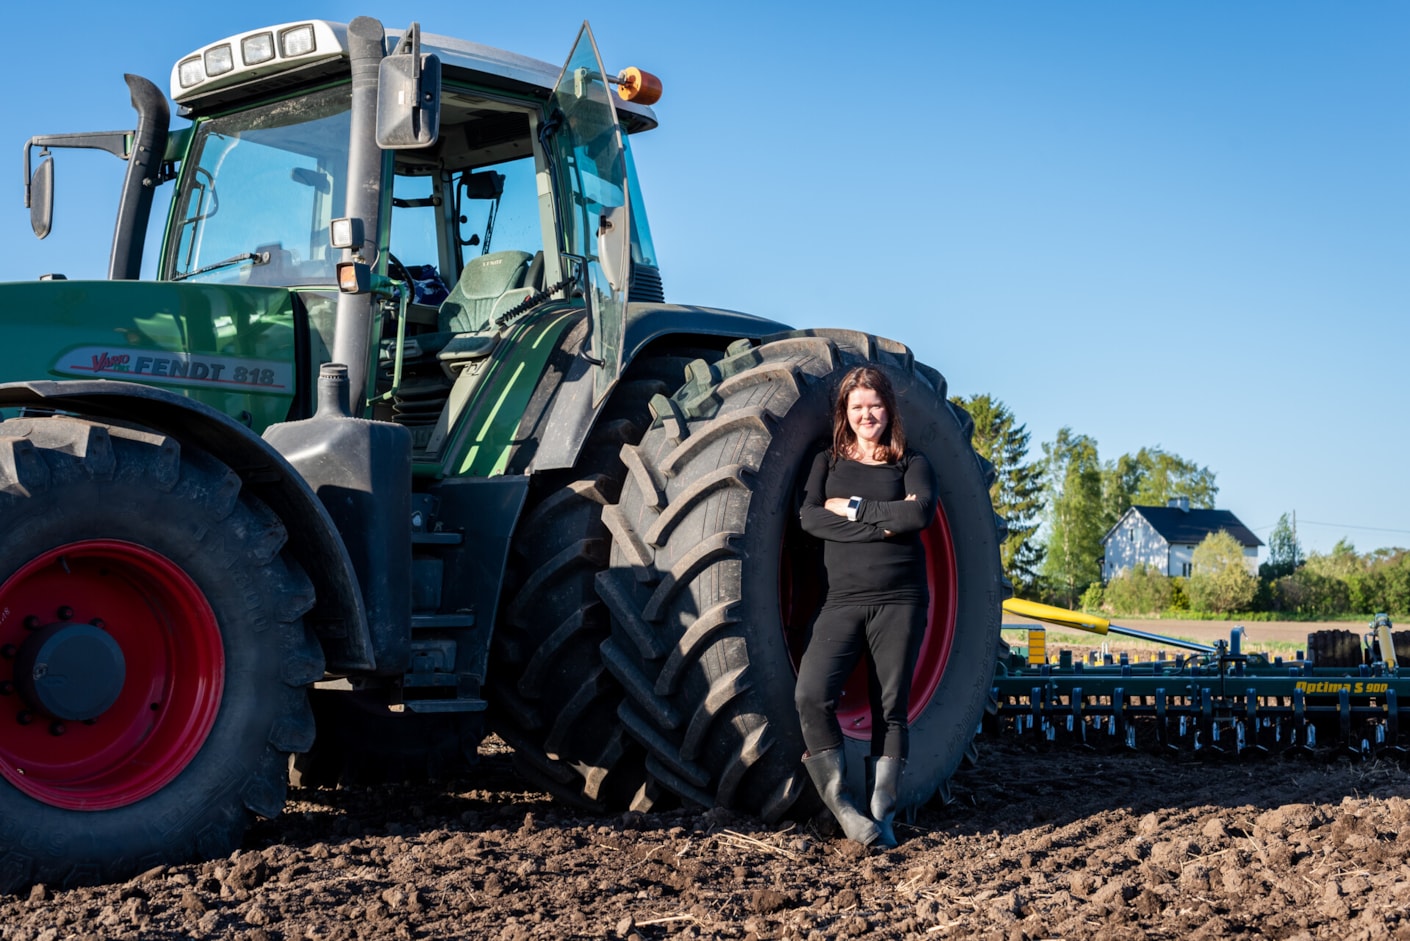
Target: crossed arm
(826, 518)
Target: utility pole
(1295, 545)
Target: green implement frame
(1217, 699)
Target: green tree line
(1315, 586)
(1060, 503)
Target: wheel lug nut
(99, 623)
(8, 651)
(64, 612)
(25, 717)
(56, 728)
(31, 622)
(6, 687)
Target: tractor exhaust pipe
(367, 45)
(144, 166)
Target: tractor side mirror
(39, 194)
(408, 96)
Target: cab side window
(465, 227)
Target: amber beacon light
(633, 84)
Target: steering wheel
(398, 272)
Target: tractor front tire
(551, 698)
(156, 658)
(712, 582)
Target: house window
(1185, 569)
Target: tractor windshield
(258, 191)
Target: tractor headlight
(314, 48)
(189, 72)
(345, 232)
(257, 48)
(297, 41)
(219, 60)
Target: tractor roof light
(219, 60)
(261, 52)
(298, 41)
(257, 48)
(189, 72)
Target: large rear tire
(157, 659)
(711, 585)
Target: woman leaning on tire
(868, 498)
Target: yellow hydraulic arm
(1091, 623)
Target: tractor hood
(230, 347)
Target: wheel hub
(111, 674)
(799, 601)
(70, 671)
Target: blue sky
(1183, 225)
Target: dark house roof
(1189, 527)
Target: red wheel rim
(799, 602)
(170, 689)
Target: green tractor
(401, 446)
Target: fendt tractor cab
(399, 444)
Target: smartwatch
(853, 505)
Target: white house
(1164, 538)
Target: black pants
(890, 634)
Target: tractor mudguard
(361, 473)
(338, 617)
(571, 415)
(647, 322)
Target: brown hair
(844, 440)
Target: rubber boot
(829, 773)
(883, 785)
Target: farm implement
(1341, 696)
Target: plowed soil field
(1037, 843)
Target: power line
(1374, 529)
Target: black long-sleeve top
(864, 565)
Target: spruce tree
(1017, 490)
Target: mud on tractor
(399, 444)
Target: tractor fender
(338, 617)
(570, 415)
(649, 322)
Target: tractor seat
(476, 294)
(488, 286)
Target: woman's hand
(838, 505)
